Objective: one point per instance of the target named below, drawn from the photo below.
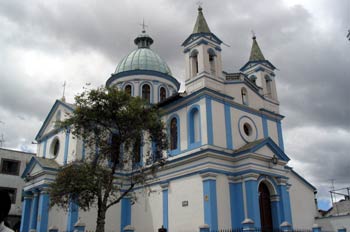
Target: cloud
(47, 43)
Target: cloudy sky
(44, 43)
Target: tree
(112, 124)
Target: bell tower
(260, 71)
(202, 56)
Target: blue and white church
(226, 166)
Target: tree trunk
(101, 217)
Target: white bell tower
(202, 56)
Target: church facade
(225, 168)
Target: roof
(255, 53)
(201, 25)
(256, 145)
(22, 152)
(143, 59)
(45, 164)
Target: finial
(253, 34)
(143, 26)
(64, 91)
(199, 3)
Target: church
(226, 167)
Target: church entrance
(265, 208)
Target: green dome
(143, 59)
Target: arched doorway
(265, 208)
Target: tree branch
(121, 197)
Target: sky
(45, 43)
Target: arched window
(253, 79)
(244, 96)
(162, 94)
(127, 89)
(211, 60)
(173, 134)
(268, 81)
(194, 62)
(194, 125)
(146, 92)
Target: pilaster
(34, 211)
(125, 213)
(26, 208)
(210, 200)
(43, 211)
(236, 201)
(165, 192)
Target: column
(286, 215)
(34, 211)
(210, 200)
(43, 211)
(265, 126)
(73, 213)
(165, 191)
(236, 201)
(66, 146)
(208, 105)
(276, 213)
(26, 208)
(125, 213)
(280, 135)
(252, 197)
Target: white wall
(302, 201)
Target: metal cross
(64, 89)
(143, 26)
(199, 3)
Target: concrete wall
(14, 181)
(302, 200)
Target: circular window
(247, 129)
(55, 147)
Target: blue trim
(142, 72)
(210, 204)
(236, 204)
(266, 63)
(125, 213)
(265, 127)
(280, 135)
(26, 208)
(276, 214)
(271, 144)
(66, 146)
(43, 214)
(210, 36)
(34, 212)
(48, 117)
(178, 149)
(165, 209)
(252, 197)
(31, 164)
(190, 128)
(208, 107)
(44, 152)
(285, 208)
(228, 125)
(73, 215)
(151, 100)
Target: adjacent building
(12, 165)
(226, 165)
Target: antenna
(2, 140)
(199, 3)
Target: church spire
(255, 53)
(201, 25)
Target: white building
(226, 162)
(12, 164)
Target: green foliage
(99, 114)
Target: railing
(260, 230)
